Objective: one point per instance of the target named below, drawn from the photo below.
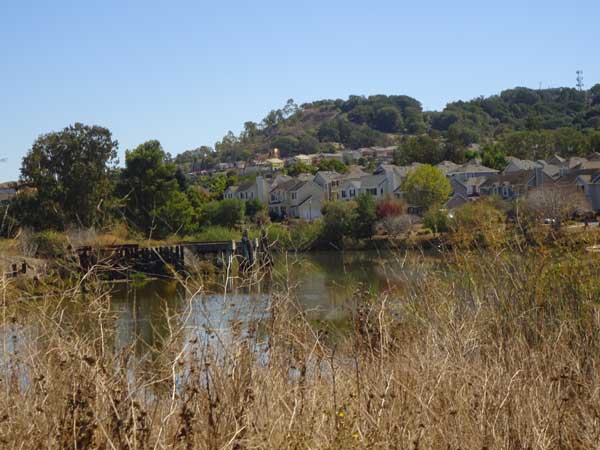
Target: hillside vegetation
(360, 121)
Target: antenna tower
(579, 80)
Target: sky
(186, 72)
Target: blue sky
(186, 72)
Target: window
(344, 195)
(352, 193)
(372, 191)
(381, 191)
(293, 196)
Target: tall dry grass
(489, 351)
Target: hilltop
(360, 121)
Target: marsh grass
(494, 348)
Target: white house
(297, 199)
(256, 189)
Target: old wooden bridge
(122, 260)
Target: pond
(323, 284)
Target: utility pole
(579, 80)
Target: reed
(494, 349)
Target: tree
(421, 149)
(338, 219)
(426, 186)
(228, 213)
(332, 165)
(328, 132)
(153, 200)
(387, 119)
(554, 202)
(69, 172)
(254, 207)
(365, 217)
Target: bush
(388, 208)
(437, 220)
(338, 219)
(227, 213)
(364, 218)
(46, 244)
(217, 233)
(478, 223)
(396, 225)
(254, 207)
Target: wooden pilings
(120, 260)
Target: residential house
(302, 159)
(472, 169)
(509, 186)
(275, 164)
(519, 165)
(330, 183)
(297, 199)
(374, 185)
(255, 189)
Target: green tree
(228, 213)
(332, 165)
(421, 149)
(153, 200)
(254, 207)
(365, 217)
(426, 186)
(69, 171)
(387, 119)
(338, 220)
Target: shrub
(437, 220)
(478, 223)
(338, 219)
(388, 208)
(396, 225)
(47, 244)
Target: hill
(360, 121)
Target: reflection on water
(323, 284)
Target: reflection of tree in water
(141, 311)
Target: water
(323, 284)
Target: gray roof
(472, 167)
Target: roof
(523, 164)
(245, 186)
(512, 178)
(446, 166)
(473, 181)
(372, 181)
(328, 175)
(472, 167)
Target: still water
(323, 284)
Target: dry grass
(493, 351)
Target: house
(469, 187)
(329, 182)
(519, 165)
(509, 186)
(255, 189)
(302, 159)
(274, 164)
(374, 185)
(297, 199)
